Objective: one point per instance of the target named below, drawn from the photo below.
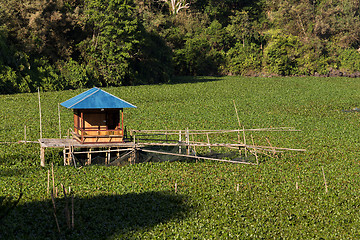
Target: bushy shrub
(281, 54)
(313, 59)
(9, 81)
(349, 59)
(244, 59)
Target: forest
(66, 44)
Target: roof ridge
(98, 89)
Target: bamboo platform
(65, 142)
(69, 144)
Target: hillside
(67, 44)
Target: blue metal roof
(96, 98)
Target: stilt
(239, 142)
(208, 140)
(64, 155)
(179, 141)
(194, 147)
(25, 134)
(72, 156)
(187, 141)
(89, 155)
(133, 156)
(245, 148)
(107, 160)
(255, 151)
(42, 157)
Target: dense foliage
(63, 44)
(283, 197)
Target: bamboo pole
(208, 140)
(179, 141)
(194, 146)
(199, 132)
(266, 148)
(73, 156)
(59, 120)
(40, 113)
(274, 154)
(89, 155)
(42, 156)
(229, 145)
(245, 149)
(64, 155)
(238, 134)
(108, 156)
(53, 177)
(187, 142)
(237, 115)
(21, 141)
(297, 184)
(25, 133)
(326, 187)
(255, 152)
(48, 182)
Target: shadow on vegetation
(191, 79)
(97, 217)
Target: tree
(240, 26)
(47, 28)
(176, 5)
(118, 48)
(339, 22)
(282, 54)
(114, 40)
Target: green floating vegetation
(283, 197)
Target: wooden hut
(98, 116)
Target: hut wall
(95, 122)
